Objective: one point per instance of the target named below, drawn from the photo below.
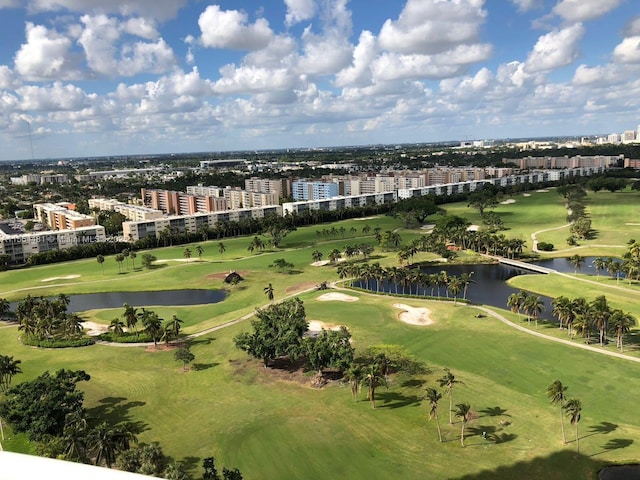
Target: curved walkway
(534, 236)
(554, 339)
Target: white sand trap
(365, 218)
(188, 260)
(336, 296)
(94, 329)
(526, 194)
(320, 263)
(427, 227)
(508, 201)
(632, 224)
(414, 315)
(316, 326)
(473, 228)
(542, 191)
(66, 277)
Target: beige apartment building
(61, 216)
(130, 211)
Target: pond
(89, 301)
(488, 285)
(563, 265)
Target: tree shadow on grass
(490, 433)
(200, 341)
(116, 410)
(393, 400)
(413, 383)
(603, 428)
(614, 444)
(203, 366)
(494, 412)
(561, 464)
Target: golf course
(271, 423)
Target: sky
(85, 78)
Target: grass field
(274, 425)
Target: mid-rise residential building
(193, 223)
(577, 161)
(130, 211)
(306, 190)
(21, 245)
(280, 186)
(40, 178)
(629, 136)
(61, 216)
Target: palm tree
(533, 306)
(465, 278)
(221, 248)
(514, 303)
(316, 255)
(152, 325)
(8, 369)
(562, 309)
(199, 251)
(187, 253)
(174, 325)
(556, 395)
(132, 256)
(448, 381)
(130, 316)
(599, 264)
(104, 444)
(573, 409)
(433, 396)
(620, 323)
(373, 378)
(100, 259)
(577, 261)
(117, 326)
(354, 376)
(119, 259)
(454, 287)
(268, 291)
(463, 411)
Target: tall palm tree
(533, 306)
(513, 302)
(448, 381)
(562, 309)
(433, 397)
(373, 378)
(599, 264)
(573, 409)
(316, 255)
(268, 291)
(601, 313)
(174, 325)
(8, 369)
(117, 326)
(577, 261)
(152, 325)
(454, 287)
(354, 376)
(463, 411)
(621, 323)
(106, 442)
(556, 395)
(130, 316)
(221, 249)
(187, 253)
(199, 251)
(465, 278)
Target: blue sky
(110, 77)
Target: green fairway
(275, 425)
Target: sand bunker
(365, 218)
(336, 296)
(94, 329)
(188, 260)
(316, 326)
(473, 228)
(508, 201)
(66, 277)
(414, 315)
(320, 263)
(427, 227)
(526, 194)
(542, 191)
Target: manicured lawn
(277, 426)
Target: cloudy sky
(104, 77)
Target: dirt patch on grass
(281, 370)
(223, 275)
(161, 347)
(300, 287)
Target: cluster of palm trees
(530, 304)
(596, 316)
(333, 231)
(47, 319)
(9, 368)
(463, 410)
(411, 281)
(187, 253)
(372, 375)
(350, 251)
(570, 407)
(155, 327)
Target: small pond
(563, 265)
(89, 301)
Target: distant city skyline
(128, 77)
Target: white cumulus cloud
(628, 51)
(230, 29)
(160, 9)
(555, 49)
(299, 11)
(583, 10)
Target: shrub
(58, 343)
(125, 338)
(545, 246)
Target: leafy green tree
(282, 265)
(433, 397)
(100, 259)
(147, 260)
(40, 407)
(277, 331)
(573, 410)
(556, 393)
(329, 349)
(463, 411)
(184, 355)
(316, 255)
